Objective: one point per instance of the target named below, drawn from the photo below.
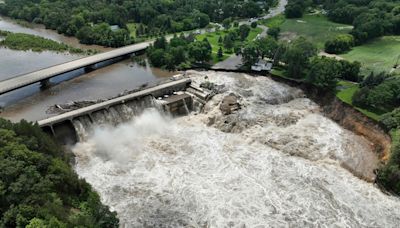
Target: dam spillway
(274, 161)
(170, 97)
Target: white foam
(156, 171)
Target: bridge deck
(37, 76)
(92, 108)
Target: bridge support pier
(90, 68)
(44, 84)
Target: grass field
(132, 29)
(213, 38)
(276, 21)
(345, 93)
(378, 55)
(317, 28)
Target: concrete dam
(174, 97)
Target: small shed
(114, 27)
(262, 65)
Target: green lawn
(317, 28)
(378, 55)
(276, 21)
(132, 29)
(213, 38)
(346, 91)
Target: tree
(250, 54)
(178, 54)
(199, 51)
(324, 73)
(391, 120)
(294, 11)
(267, 47)
(207, 44)
(177, 41)
(350, 70)
(85, 35)
(229, 41)
(227, 23)
(298, 55)
(38, 188)
(220, 53)
(373, 80)
(156, 57)
(237, 49)
(220, 40)
(274, 32)
(250, 9)
(160, 43)
(202, 19)
(360, 97)
(244, 31)
(341, 44)
(253, 24)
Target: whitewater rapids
(277, 162)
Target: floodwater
(103, 83)
(14, 62)
(277, 162)
(32, 103)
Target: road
(234, 61)
(37, 76)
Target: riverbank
(28, 42)
(15, 26)
(259, 165)
(346, 115)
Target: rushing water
(277, 162)
(99, 84)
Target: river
(11, 25)
(277, 162)
(31, 103)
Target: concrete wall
(62, 128)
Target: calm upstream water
(31, 103)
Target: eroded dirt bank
(348, 117)
(260, 154)
(353, 120)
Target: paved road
(37, 76)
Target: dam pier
(176, 97)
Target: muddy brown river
(31, 103)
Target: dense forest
(38, 188)
(186, 51)
(370, 18)
(90, 20)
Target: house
(114, 27)
(262, 65)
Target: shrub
(341, 44)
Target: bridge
(43, 76)
(62, 128)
